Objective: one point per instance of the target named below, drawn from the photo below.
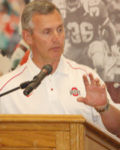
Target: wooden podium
(53, 132)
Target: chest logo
(74, 91)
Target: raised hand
(95, 92)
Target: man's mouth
(56, 48)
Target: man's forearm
(111, 120)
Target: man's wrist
(103, 108)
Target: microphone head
(47, 68)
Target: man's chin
(56, 57)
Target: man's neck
(39, 63)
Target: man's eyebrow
(61, 24)
(49, 28)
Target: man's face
(47, 39)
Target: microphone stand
(22, 86)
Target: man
(43, 31)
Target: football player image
(61, 4)
(90, 34)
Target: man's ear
(27, 37)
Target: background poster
(88, 37)
(10, 34)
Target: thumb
(81, 99)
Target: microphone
(46, 70)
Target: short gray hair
(36, 6)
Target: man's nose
(55, 36)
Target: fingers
(103, 86)
(93, 81)
(85, 79)
(97, 82)
(81, 99)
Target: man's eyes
(60, 29)
(49, 31)
(46, 32)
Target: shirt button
(51, 89)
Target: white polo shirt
(56, 94)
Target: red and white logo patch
(74, 91)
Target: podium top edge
(39, 117)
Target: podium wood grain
(52, 132)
